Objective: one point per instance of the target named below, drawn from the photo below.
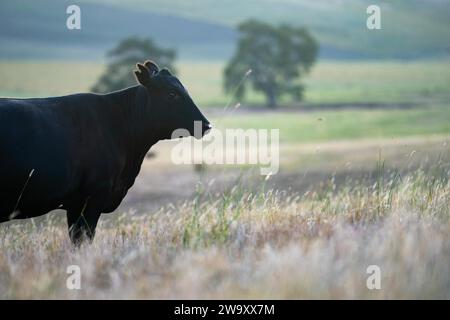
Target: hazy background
(205, 30)
(376, 108)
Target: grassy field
(309, 231)
(426, 84)
(243, 244)
(345, 124)
(329, 82)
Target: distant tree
(123, 58)
(277, 56)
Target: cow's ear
(142, 75)
(152, 67)
(166, 72)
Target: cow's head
(170, 102)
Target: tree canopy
(123, 58)
(278, 56)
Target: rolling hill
(205, 29)
(37, 29)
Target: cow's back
(38, 150)
(61, 150)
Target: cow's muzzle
(206, 128)
(201, 130)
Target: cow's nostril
(207, 126)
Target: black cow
(82, 152)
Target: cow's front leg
(82, 223)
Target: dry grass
(250, 245)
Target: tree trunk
(271, 99)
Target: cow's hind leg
(82, 223)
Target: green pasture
(345, 124)
(426, 84)
(329, 82)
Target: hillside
(204, 29)
(38, 30)
(411, 28)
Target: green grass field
(346, 124)
(329, 82)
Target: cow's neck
(138, 136)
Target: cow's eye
(173, 95)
